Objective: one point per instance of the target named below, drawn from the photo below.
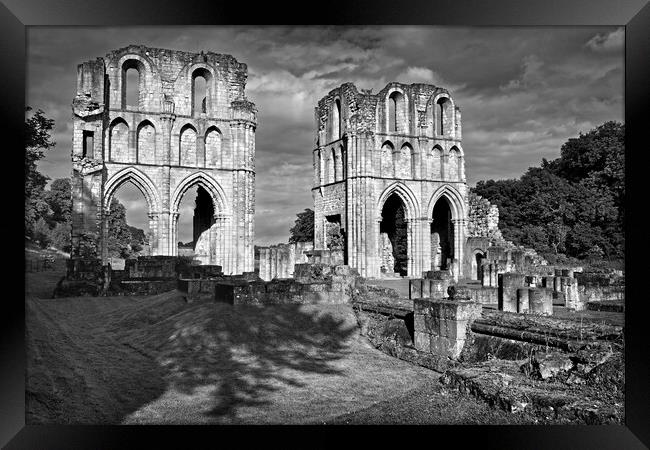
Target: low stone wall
(315, 284)
(152, 267)
(278, 261)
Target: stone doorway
(393, 236)
(442, 236)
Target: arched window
(387, 160)
(132, 70)
(187, 146)
(213, 155)
(201, 91)
(436, 163)
(392, 113)
(396, 113)
(454, 157)
(336, 120)
(444, 116)
(404, 162)
(146, 143)
(119, 141)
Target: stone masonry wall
(166, 145)
(418, 162)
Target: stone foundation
(440, 326)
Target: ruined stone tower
(187, 123)
(389, 176)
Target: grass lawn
(156, 359)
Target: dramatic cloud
(522, 92)
(607, 42)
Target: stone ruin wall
(422, 163)
(165, 147)
(278, 261)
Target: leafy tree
(37, 141)
(59, 200)
(118, 238)
(572, 205)
(303, 229)
(60, 236)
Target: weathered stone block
(508, 285)
(415, 288)
(541, 301)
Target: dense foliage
(573, 205)
(303, 229)
(37, 142)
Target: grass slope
(143, 360)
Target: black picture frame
(16, 15)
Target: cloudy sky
(522, 92)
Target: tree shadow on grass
(249, 352)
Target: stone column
(508, 285)
(541, 301)
(523, 299)
(173, 233)
(411, 254)
(165, 220)
(154, 235)
(459, 242)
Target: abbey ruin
(398, 236)
(188, 124)
(389, 173)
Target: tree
(572, 205)
(118, 240)
(41, 233)
(59, 200)
(303, 229)
(37, 141)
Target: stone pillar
(460, 226)
(523, 300)
(494, 274)
(485, 279)
(508, 285)
(572, 296)
(412, 249)
(154, 235)
(541, 301)
(173, 233)
(415, 288)
(440, 326)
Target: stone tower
(167, 121)
(389, 173)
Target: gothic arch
(405, 194)
(453, 197)
(208, 183)
(139, 180)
